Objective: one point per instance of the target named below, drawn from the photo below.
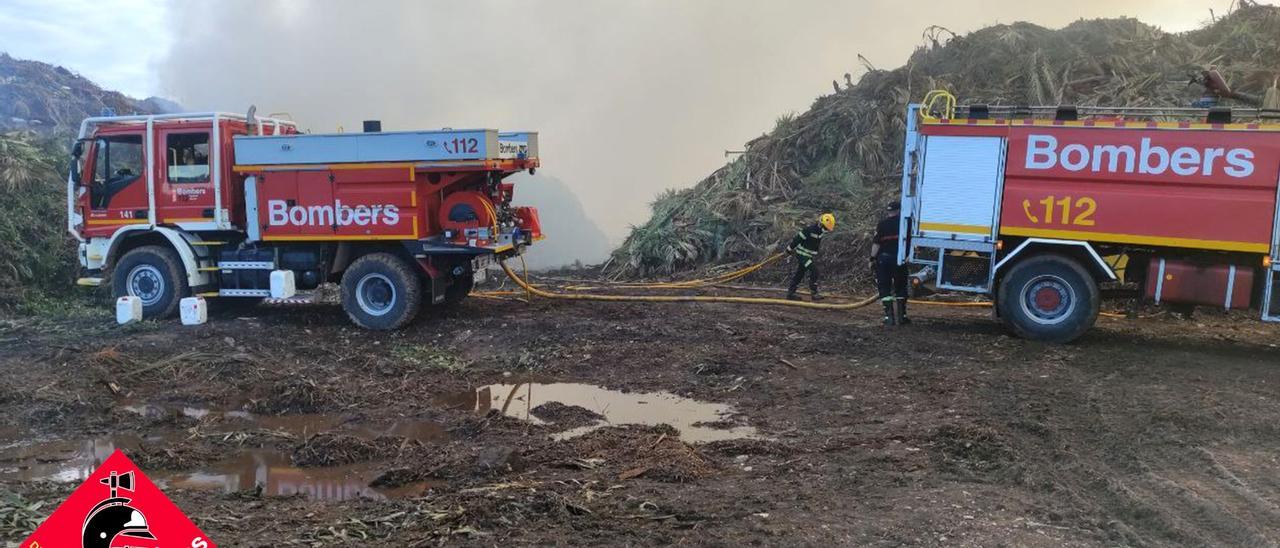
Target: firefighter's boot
(902, 312)
(888, 312)
(815, 296)
(791, 296)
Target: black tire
(154, 274)
(461, 287)
(1049, 298)
(380, 291)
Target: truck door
(960, 184)
(116, 194)
(957, 190)
(1271, 293)
(185, 191)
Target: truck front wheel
(1049, 298)
(380, 291)
(154, 275)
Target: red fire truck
(229, 206)
(1039, 206)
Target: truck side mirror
(77, 150)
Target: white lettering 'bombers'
(279, 213)
(1043, 153)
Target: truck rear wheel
(1049, 298)
(380, 291)
(153, 274)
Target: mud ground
(824, 427)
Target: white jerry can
(282, 286)
(194, 310)
(128, 309)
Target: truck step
(246, 265)
(244, 292)
(208, 269)
(299, 299)
(89, 282)
(209, 243)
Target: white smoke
(630, 96)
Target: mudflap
(435, 284)
(1271, 295)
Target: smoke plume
(630, 97)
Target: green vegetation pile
(41, 106)
(37, 260)
(845, 153)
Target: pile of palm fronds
(844, 153)
(37, 256)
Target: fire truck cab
(242, 207)
(1040, 207)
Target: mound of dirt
(331, 449)
(568, 416)
(654, 452)
(295, 395)
(971, 449)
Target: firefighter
(805, 246)
(891, 278)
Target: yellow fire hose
(532, 291)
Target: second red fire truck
(1038, 207)
(241, 207)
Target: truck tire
(381, 292)
(155, 275)
(459, 290)
(1049, 298)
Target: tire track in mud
(1125, 455)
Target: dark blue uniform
(891, 278)
(805, 245)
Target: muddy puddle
(300, 425)
(245, 470)
(543, 403)
(277, 476)
(240, 470)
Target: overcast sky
(631, 96)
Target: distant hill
(51, 99)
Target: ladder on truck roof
(939, 104)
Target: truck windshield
(118, 163)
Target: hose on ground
(531, 290)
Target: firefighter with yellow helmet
(805, 246)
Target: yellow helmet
(828, 221)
